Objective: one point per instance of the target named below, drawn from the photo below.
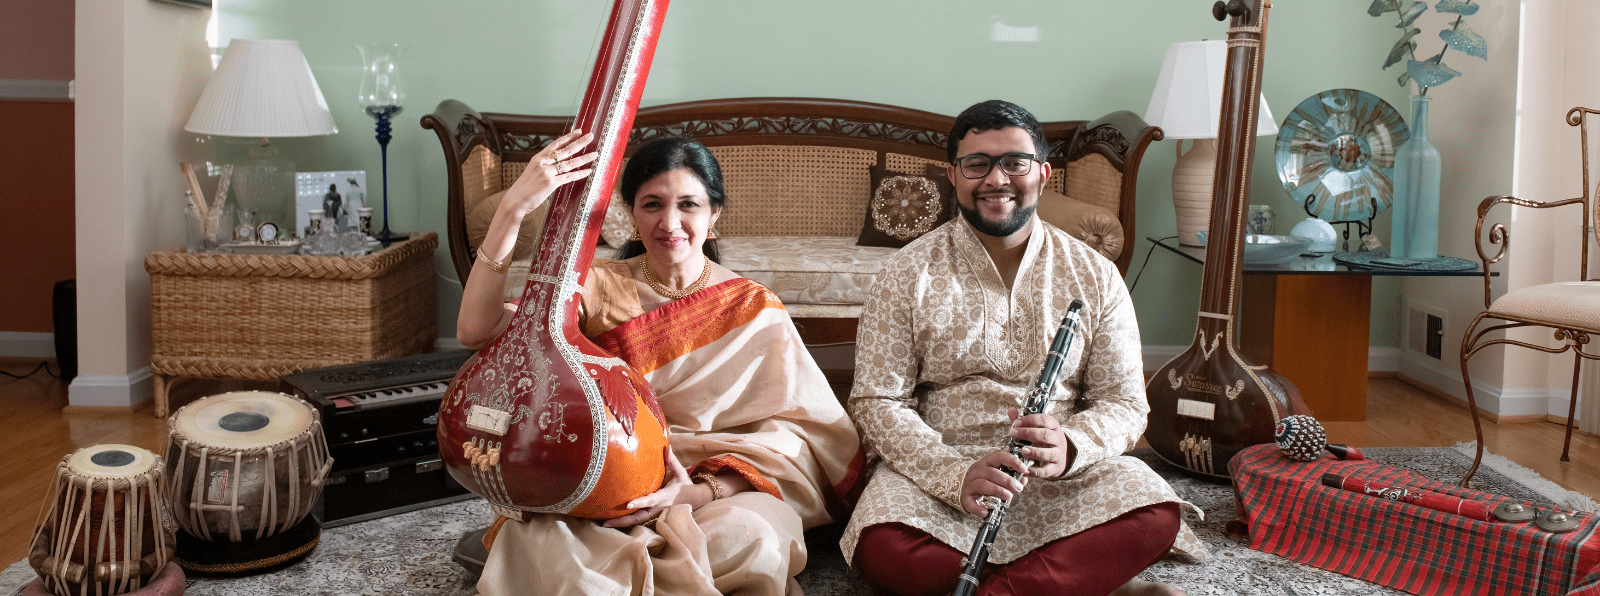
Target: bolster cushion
(1096, 226)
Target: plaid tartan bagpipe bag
(1290, 512)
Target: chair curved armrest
(459, 128)
(1499, 234)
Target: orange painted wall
(36, 164)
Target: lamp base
(1192, 180)
(386, 237)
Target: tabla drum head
(243, 419)
(111, 461)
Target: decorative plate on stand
(1336, 151)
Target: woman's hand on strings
(558, 163)
(677, 489)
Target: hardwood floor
(37, 433)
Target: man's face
(998, 204)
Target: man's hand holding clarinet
(1037, 448)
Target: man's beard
(1019, 217)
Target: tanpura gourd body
(542, 419)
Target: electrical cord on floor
(1146, 263)
(43, 364)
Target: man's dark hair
(995, 114)
(665, 155)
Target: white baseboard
(17, 344)
(1490, 398)
(112, 391)
(1156, 356)
(1379, 358)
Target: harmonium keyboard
(380, 418)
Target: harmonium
(380, 420)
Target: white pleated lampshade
(1187, 103)
(262, 88)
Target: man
(954, 334)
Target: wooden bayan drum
(105, 529)
(246, 468)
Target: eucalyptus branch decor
(1414, 235)
(1431, 71)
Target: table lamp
(262, 88)
(1187, 104)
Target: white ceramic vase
(1192, 179)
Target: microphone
(1301, 438)
(1436, 501)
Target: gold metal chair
(1571, 309)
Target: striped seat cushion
(1572, 305)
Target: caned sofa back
(792, 166)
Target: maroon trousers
(899, 559)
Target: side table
(1308, 319)
(260, 317)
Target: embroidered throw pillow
(905, 206)
(618, 225)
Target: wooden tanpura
(1209, 403)
(541, 419)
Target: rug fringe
(1531, 479)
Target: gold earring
(712, 235)
(635, 236)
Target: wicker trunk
(230, 316)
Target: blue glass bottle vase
(1415, 230)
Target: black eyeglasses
(978, 165)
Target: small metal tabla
(1512, 511)
(1557, 522)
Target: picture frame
(206, 4)
(312, 192)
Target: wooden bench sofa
(798, 184)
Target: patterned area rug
(409, 554)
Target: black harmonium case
(380, 419)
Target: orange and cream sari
(740, 392)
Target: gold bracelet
(493, 266)
(717, 492)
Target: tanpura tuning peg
(1222, 10)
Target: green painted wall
(1090, 58)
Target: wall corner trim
(114, 391)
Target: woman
(761, 448)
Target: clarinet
(1037, 400)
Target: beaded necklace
(669, 293)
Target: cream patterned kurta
(944, 349)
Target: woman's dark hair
(665, 155)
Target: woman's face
(674, 214)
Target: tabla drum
(246, 468)
(104, 529)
